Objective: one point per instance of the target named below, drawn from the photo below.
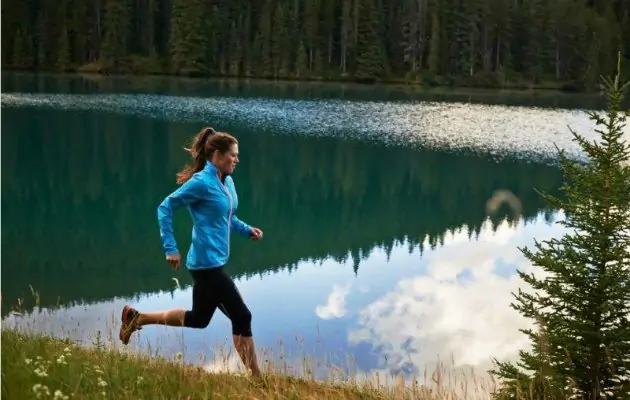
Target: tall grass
(38, 365)
(42, 365)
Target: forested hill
(487, 43)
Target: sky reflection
(401, 314)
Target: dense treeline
(491, 43)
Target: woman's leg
(246, 349)
(232, 305)
(203, 307)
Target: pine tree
(235, 51)
(369, 56)
(117, 26)
(63, 55)
(301, 63)
(582, 304)
(280, 43)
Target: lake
(379, 255)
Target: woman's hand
(257, 234)
(174, 260)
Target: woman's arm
(236, 224)
(241, 227)
(191, 191)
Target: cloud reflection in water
(457, 309)
(396, 316)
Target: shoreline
(57, 364)
(399, 83)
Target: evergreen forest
(564, 44)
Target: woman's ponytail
(198, 151)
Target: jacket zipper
(229, 213)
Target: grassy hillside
(38, 366)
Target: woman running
(207, 189)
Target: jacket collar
(211, 168)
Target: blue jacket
(212, 206)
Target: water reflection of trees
(54, 83)
(80, 190)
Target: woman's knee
(196, 320)
(242, 323)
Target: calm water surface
(378, 253)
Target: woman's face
(228, 160)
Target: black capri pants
(212, 289)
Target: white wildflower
(41, 390)
(40, 372)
